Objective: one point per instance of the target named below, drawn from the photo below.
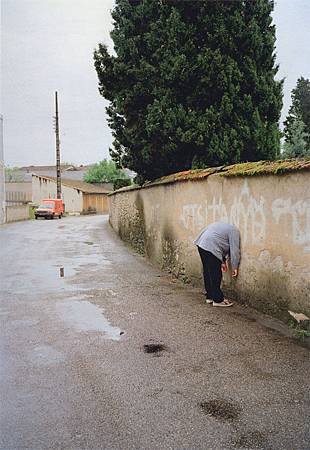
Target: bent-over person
(215, 244)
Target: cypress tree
(299, 111)
(191, 84)
(297, 146)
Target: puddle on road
(74, 264)
(68, 271)
(85, 316)
(98, 260)
(45, 355)
(18, 323)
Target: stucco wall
(17, 212)
(271, 211)
(43, 188)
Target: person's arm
(234, 250)
(224, 264)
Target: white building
(78, 196)
(2, 178)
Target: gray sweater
(222, 240)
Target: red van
(50, 208)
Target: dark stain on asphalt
(156, 392)
(220, 409)
(154, 348)
(198, 369)
(243, 316)
(253, 439)
(210, 322)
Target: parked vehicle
(50, 208)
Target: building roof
(29, 169)
(69, 172)
(82, 186)
(79, 168)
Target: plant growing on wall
(191, 84)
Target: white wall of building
(17, 212)
(43, 188)
(2, 186)
(19, 191)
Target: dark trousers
(212, 275)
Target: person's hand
(224, 267)
(234, 273)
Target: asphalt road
(75, 373)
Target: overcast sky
(47, 45)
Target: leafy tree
(299, 110)
(105, 172)
(191, 84)
(297, 146)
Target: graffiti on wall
(245, 211)
(298, 213)
(155, 221)
(248, 213)
(155, 215)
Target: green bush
(119, 183)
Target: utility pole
(57, 148)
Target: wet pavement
(118, 355)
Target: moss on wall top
(278, 167)
(267, 167)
